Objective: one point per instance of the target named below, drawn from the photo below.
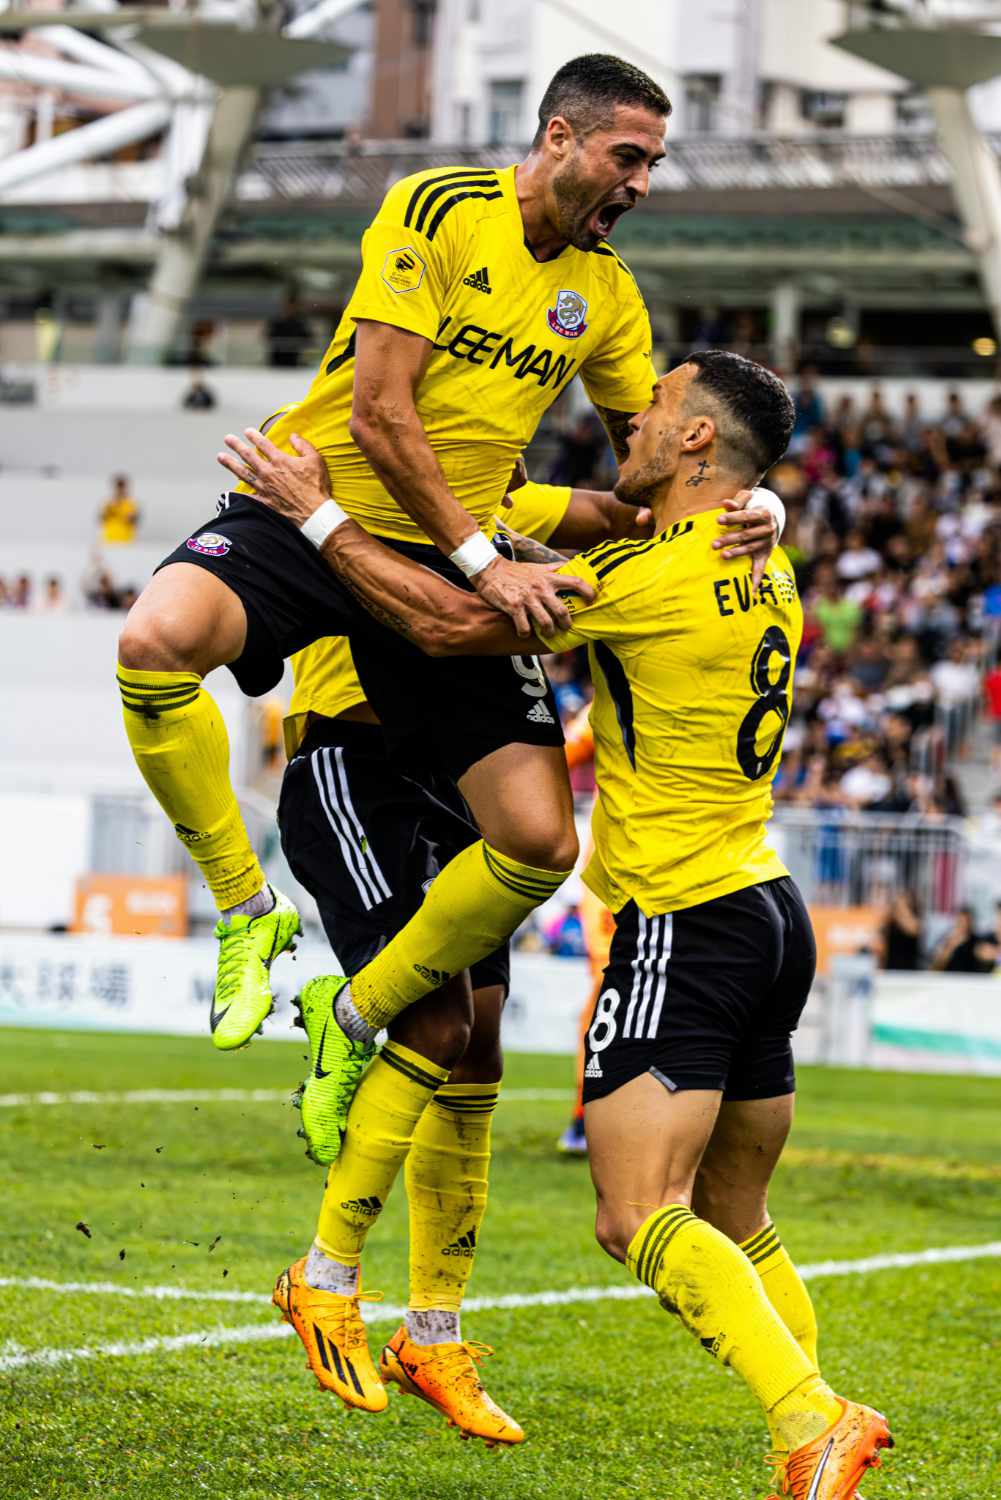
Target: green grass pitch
(617, 1401)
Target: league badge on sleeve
(209, 544)
(568, 317)
(403, 270)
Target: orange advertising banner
(843, 929)
(132, 905)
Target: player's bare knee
(613, 1232)
(145, 643)
(544, 848)
(439, 1027)
(482, 1061)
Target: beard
(572, 198)
(640, 485)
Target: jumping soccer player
(366, 840)
(690, 1083)
(482, 294)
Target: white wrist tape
(474, 554)
(762, 499)
(322, 522)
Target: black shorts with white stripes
(707, 997)
(366, 841)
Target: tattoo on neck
(700, 478)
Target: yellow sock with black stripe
(710, 1284)
(787, 1293)
(785, 1288)
(474, 905)
(446, 1175)
(181, 747)
(391, 1098)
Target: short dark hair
(586, 90)
(757, 408)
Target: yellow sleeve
(590, 622)
(404, 274)
(620, 373)
(536, 510)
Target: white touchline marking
(219, 1096)
(12, 1357)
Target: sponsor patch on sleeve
(403, 270)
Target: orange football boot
(830, 1467)
(333, 1335)
(446, 1377)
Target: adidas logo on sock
(464, 1245)
(479, 281)
(539, 714)
(363, 1205)
(593, 1069)
(189, 835)
(436, 976)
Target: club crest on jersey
(403, 270)
(210, 543)
(567, 317)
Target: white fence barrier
(164, 985)
(915, 1022)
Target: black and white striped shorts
(366, 841)
(707, 997)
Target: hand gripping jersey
(325, 679)
(446, 258)
(693, 684)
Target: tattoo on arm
(700, 478)
(377, 611)
(616, 424)
(526, 550)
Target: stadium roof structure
(727, 218)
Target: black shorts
(366, 841)
(448, 712)
(443, 714)
(290, 596)
(707, 997)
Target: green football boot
(247, 948)
(336, 1066)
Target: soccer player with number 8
(689, 1082)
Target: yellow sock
(390, 1100)
(447, 1191)
(712, 1287)
(474, 905)
(787, 1293)
(785, 1288)
(180, 744)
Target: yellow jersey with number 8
(693, 686)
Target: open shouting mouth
(605, 218)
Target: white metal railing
(840, 858)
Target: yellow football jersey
(325, 678)
(693, 685)
(446, 257)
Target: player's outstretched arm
(595, 516)
(389, 364)
(438, 617)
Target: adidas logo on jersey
(363, 1206)
(593, 1069)
(479, 281)
(539, 714)
(464, 1245)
